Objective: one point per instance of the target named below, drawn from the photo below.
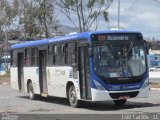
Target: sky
(139, 15)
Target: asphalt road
(12, 101)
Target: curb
(154, 89)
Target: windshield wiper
(130, 47)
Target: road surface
(12, 101)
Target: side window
(54, 55)
(27, 57)
(72, 53)
(50, 55)
(13, 58)
(60, 54)
(65, 51)
(57, 50)
(34, 57)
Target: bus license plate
(123, 97)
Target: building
(154, 58)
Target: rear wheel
(32, 96)
(119, 102)
(72, 96)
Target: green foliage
(7, 14)
(70, 2)
(38, 18)
(101, 2)
(94, 14)
(90, 3)
(2, 37)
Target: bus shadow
(55, 100)
(97, 106)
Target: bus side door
(20, 63)
(42, 71)
(84, 71)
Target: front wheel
(32, 96)
(119, 102)
(73, 97)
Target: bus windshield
(119, 60)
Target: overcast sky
(140, 15)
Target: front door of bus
(84, 72)
(42, 71)
(20, 63)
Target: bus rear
(118, 67)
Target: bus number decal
(59, 72)
(49, 75)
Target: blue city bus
(88, 66)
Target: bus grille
(129, 94)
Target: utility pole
(118, 14)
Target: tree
(37, 17)
(86, 11)
(7, 16)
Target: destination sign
(116, 37)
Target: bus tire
(32, 96)
(119, 102)
(72, 96)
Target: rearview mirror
(146, 47)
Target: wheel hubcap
(30, 91)
(73, 96)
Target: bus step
(44, 94)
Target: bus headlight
(146, 83)
(99, 86)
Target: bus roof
(68, 37)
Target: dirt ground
(4, 80)
(154, 85)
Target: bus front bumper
(98, 95)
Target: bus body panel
(144, 90)
(14, 78)
(57, 79)
(98, 95)
(32, 73)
